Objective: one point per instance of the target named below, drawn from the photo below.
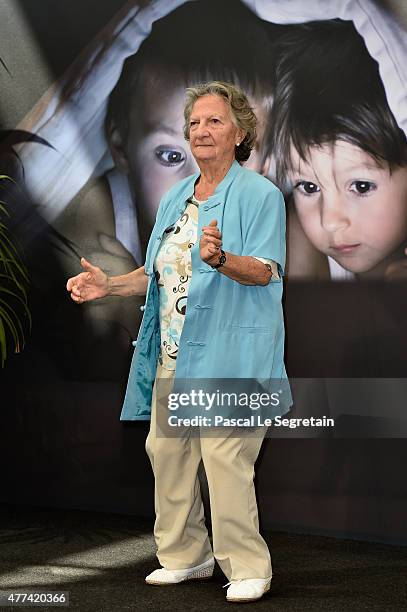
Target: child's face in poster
(157, 153)
(349, 207)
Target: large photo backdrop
(93, 138)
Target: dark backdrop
(61, 441)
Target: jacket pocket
(251, 327)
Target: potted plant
(15, 317)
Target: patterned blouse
(173, 271)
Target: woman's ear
(117, 148)
(241, 135)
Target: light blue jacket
(230, 330)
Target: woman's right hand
(89, 285)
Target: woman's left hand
(210, 243)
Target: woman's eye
(307, 187)
(362, 187)
(170, 157)
(214, 120)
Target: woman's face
(213, 135)
(157, 153)
(349, 207)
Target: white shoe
(248, 589)
(165, 576)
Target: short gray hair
(242, 113)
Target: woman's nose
(202, 130)
(333, 213)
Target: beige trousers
(180, 532)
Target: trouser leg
(238, 546)
(180, 531)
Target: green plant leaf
(9, 321)
(3, 209)
(4, 290)
(4, 236)
(14, 260)
(14, 271)
(3, 343)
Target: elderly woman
(213, 279)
